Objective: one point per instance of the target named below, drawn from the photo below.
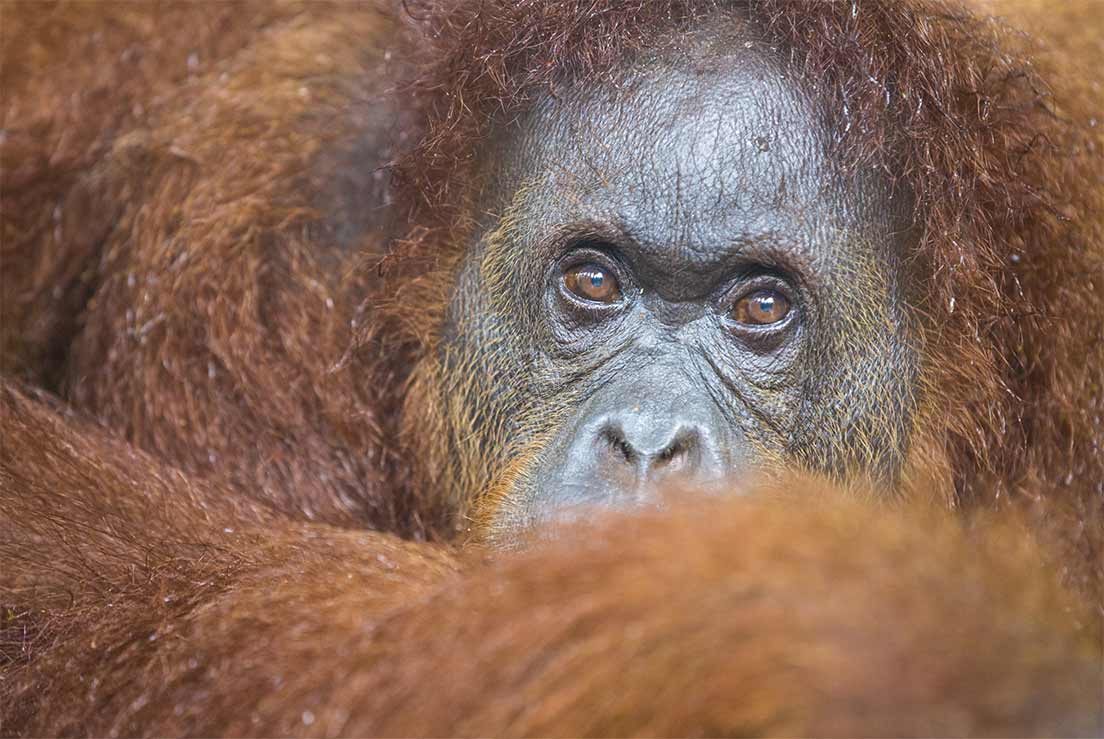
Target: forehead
(704, 146)
(727, 125)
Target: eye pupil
(592, 283)
(762, 308)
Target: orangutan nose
(641, 452)
(623, 458)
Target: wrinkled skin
(698, 177)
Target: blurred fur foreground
(808, 612)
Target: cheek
(864, 378)
(491, 413)
(505, 508)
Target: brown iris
(592, 282)
(761, 308)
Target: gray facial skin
(693, 178)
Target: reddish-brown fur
(186, 254)
(162, 606)
(219, 301)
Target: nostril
(671, 453)
(680, 452)
(614, 437)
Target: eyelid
(591, 249)
(755, 281)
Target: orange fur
(197, 257)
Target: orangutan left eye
(761, 308)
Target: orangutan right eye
(593, 283)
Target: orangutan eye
(592, 282)
(761, 308)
